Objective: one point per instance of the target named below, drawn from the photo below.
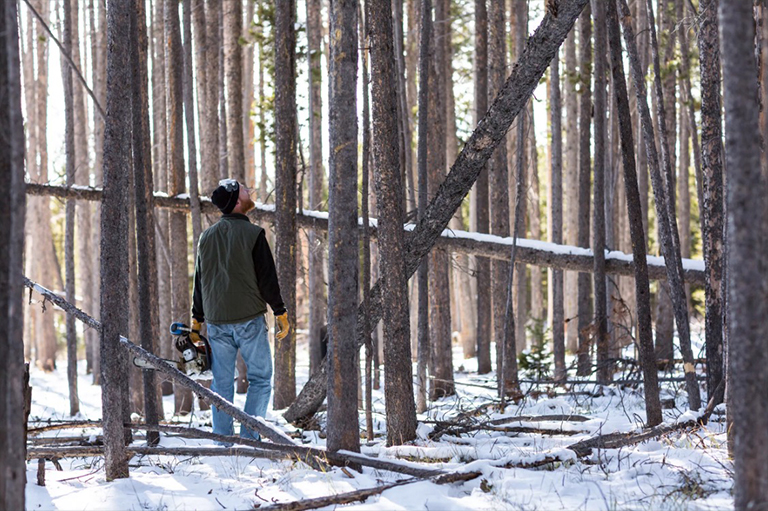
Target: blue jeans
(251, 339)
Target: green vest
(227, 275)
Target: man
(235, 279)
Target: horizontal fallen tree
(533, 252)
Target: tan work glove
(283, 326)
(194, 335)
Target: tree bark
(398, 383)
(114, 240)
(747, 283)
(584, 311)
(209, 135)
(183, 399)
(634, 210)
(12, 420)
(482, 265)
(342, 230)
(145, 220)
(233, 69)
(712, 223)
(285, 193)
(571, 185)
(189, 117)
(317, 298)
(556, 228)
(490, 132)
(439, 267)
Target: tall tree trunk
(69, 240)
(249, 127)
(114, 240)
(209, 134)
(189, 117)
(412, 48)
(604, 369)
(316, 242)
(713, 222)
(747, 290)
(160, 159)
(439, 269)
(425, 40)
(556, 228)
(12, 421)
(482, 264)
(634, 210)
(584, 312)
(183, 398)
(571, 185)
(145, 221)
(398, 386)
(342, 229)
(666, 218)
(285, 190)
(233, 69)
(498, 186)
(404, 125)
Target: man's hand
(194, 335)
(283, 327)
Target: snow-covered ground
(679, 471)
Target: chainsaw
(195, 357)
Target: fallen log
(362, 495)
(64, 425)
(533, 252)
(254, 423)
(82, 451)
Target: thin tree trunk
(285, 194)
(189, 117)
(439, 296)
(604, 369)
(249, 127)
(233, 69)
(747, 284)
(584, 312)
(425, 40)
(404, 126)
(12, 420)
(634, 210)
(713, 222)
(398, 386)
(571, 185)
(482, 265)
(209, 135)
(316, 240)
(69, 240)
(183, 398)
(114, 240)
(145, 222)
(556, 230)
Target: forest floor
(688, 469)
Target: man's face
(246, 203)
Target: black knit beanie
(225, 200)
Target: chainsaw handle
(179, 328)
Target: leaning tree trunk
(667, 226)
(491, 131)
(285, 193)
(747, 283)
(482, 264)
(114, 239)
(398, 386)
(584, 312)
(183, 398)
(12, 421)
(634, 211)
(712, 223)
